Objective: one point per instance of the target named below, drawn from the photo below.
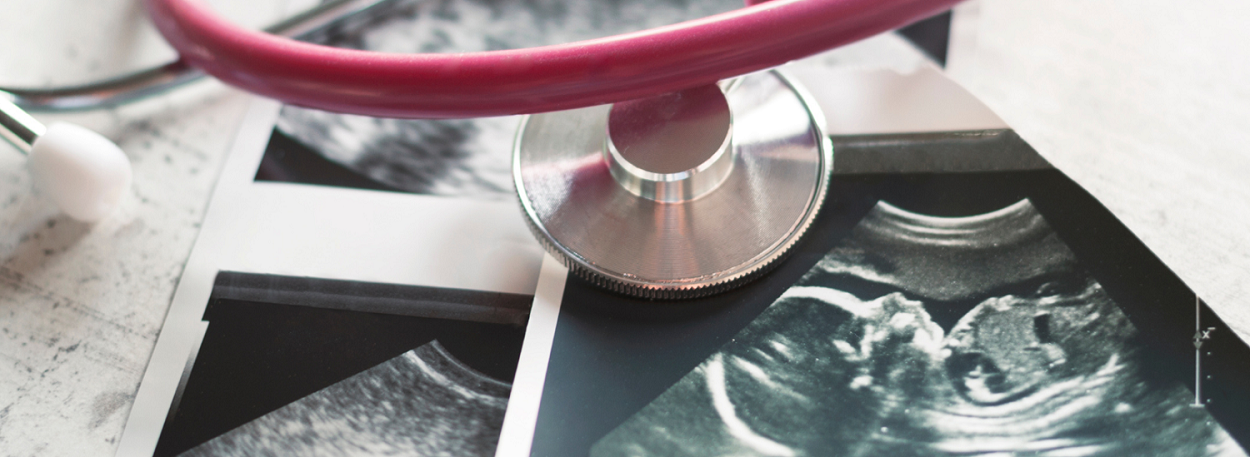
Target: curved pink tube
(531, 80)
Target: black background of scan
(612, 355)
(257, 357)
(286, 160)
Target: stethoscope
(666, 163)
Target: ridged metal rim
(715, 284)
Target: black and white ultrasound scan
(446, 157)
(304, 366)
(422, 402)
(849, 357)
(999, 311)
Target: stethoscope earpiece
(83, 172)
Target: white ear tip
(82, 171)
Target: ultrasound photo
(956, 296)
(307, 366)
(461, 157)
(472, 157)
(924, 335)
(424, 402)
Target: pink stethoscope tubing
(540, 79)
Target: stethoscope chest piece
(677, 196)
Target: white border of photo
(329, 233)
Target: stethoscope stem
(18, 127)
(163, 78)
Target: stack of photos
(266, 353)
(367, 286)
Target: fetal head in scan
(1009, 347)
(922, 335)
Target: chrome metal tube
(16, 126)
(153, 81)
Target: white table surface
(1146, 104)
(1143, 104)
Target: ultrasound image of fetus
(463, 157)
(921, 335)
(1059, 372)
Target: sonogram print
(423, 402)
(463, 157)
(923, 335)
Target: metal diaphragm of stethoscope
(604, 192)
(662, 164)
